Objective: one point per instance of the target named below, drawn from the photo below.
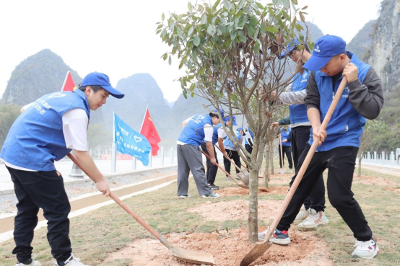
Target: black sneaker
(184, 196)
(213, 187)
(211, 195)
(279, 237)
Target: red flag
(150, 132)
(69, 84)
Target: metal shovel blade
(193, 256)
(244, 176)
(258, 249)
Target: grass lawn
(108, 229)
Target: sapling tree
(230, 51)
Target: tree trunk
(253, 206)
(359, 166)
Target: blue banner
(128, 141)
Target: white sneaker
(212, 195)
(72, 261)
(314, 220)
(303, 214)
(33, 263)
(365, 249)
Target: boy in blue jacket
(338, 144)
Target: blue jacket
(193, 133)
(346, 125)
(298, 112)
(228, 143)
(285, 135)
(36, 138)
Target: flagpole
(65, 80)
(113, 148)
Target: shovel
(243, 174)
(233, 179)
(180, 253)
(261, 247)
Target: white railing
(382, 159)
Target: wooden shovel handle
(122, 204)
(221, 168)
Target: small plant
(222, 235)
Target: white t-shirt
(75, 122)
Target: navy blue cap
(215, 111)
(228, 118)
(102, 80)
(290, 47)
(325, 48)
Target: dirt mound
(228, 248)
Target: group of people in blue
(57, 123)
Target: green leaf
(196, 40)
(169, 60)
(271, 29)
(263, 29)
(257, 47)
(179, 31)
(203, 19)
(260, 6)
(216, 5)
(192, 94)
(185, 93)
(162, 17)
(164, 56)
(190, 31)
(211, 29)
(163, 33)
(190, 6)
(294, 2)
(302, 17)
(234, 98)
(286, 3)
(253, 21)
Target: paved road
(65, 166)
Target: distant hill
(37, 75)
(314, 32)
(363, 40)
(40, 74)
(141, 90)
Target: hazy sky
(118, 37)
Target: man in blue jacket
(197, 128)
(46, 132)
(338, 144)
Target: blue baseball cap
(215, 112)
(102, 80)
(290, 47)
(228, 118)
(239, 128)
(325, 48)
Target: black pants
(288, 151)
(340, 162)
(299, 139)
(34, 190)
(212, 169)
(234, 155)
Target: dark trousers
(340, 162)
(249, 149)
(234, 155)
(299, 139)
(212, 169)
(34, 190)
(288, 151)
